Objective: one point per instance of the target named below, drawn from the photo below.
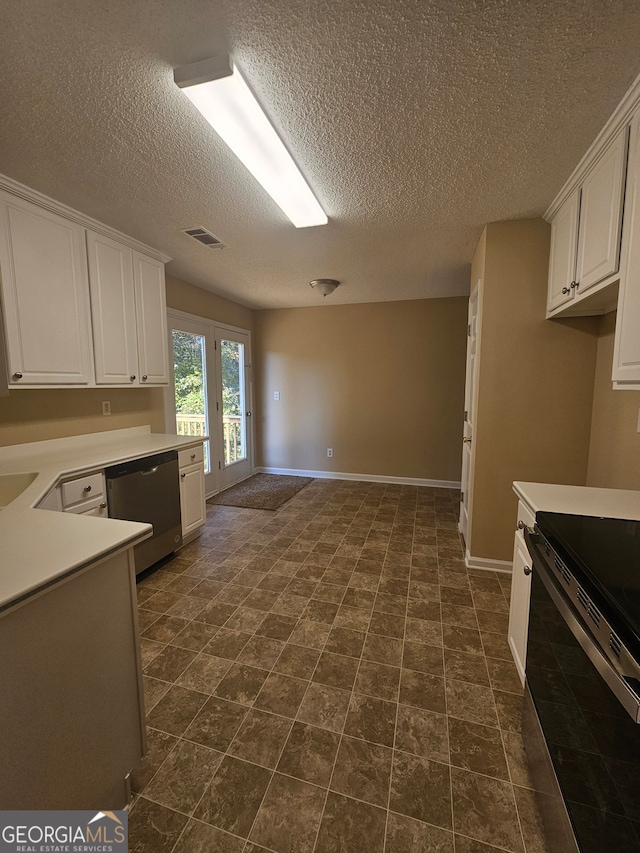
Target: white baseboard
(486, 565)
(366, 478)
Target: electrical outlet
(106, 407)
(330, 452)
(276, 395)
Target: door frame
(470, 422)
(212, 480)
(219, 331)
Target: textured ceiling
(415, 121)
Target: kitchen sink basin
(12, 485)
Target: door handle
(466, 440)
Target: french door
(233, 403)
(210, 395)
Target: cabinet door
(562, 255)
(45, 293)
(519, 608)
(192, 500)
(601, 217)
(113, 310)
(151, 318)
(626, 353)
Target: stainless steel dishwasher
(148, 489)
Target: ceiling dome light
(325, 286)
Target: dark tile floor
(329, 677)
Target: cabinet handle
(521, 525)
(133, 378)
(566, 290)
(527, 570)
(193, 455)
(17, 376)
(183, 476)
(87, 489)
(103, 506)
(144, 378)
(575, 284)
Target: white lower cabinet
(520, 593)
(519, 608)
(193, 506)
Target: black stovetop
(606, 553)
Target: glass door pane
(190, 378)
(233, 402)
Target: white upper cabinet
(113, 310)
(82, 304)
(601, 217)
(45, 296)
(151, 313)
(562, 255)
(129, 312)
(585, 236)
(626, 353)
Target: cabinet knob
(144, 378)
(521, 525)
(87, 488)
(575, 284)
(193, 455)
(566, 290)
(133, 378)
(527, 570)
(103, 505)
(17, 376)
(182, 476)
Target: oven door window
(593, 743)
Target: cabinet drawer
(89, 486)
(96, 506)
(190, 455)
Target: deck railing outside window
(231, 430)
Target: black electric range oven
(582, 698)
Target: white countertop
(579, 500)
(39, 546)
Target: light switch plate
(276, 395)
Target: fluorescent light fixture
(219, 91)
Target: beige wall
(614, 450)
(535, 388)
(39, 415)
(186, 297)
(381, 383)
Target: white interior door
(469, 413)
(233, 403)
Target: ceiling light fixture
(218, 90)
(325, 286)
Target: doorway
(211, 393)
(470, 398)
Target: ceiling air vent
(205, 237)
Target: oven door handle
(618, 684)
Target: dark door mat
(261, 491)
